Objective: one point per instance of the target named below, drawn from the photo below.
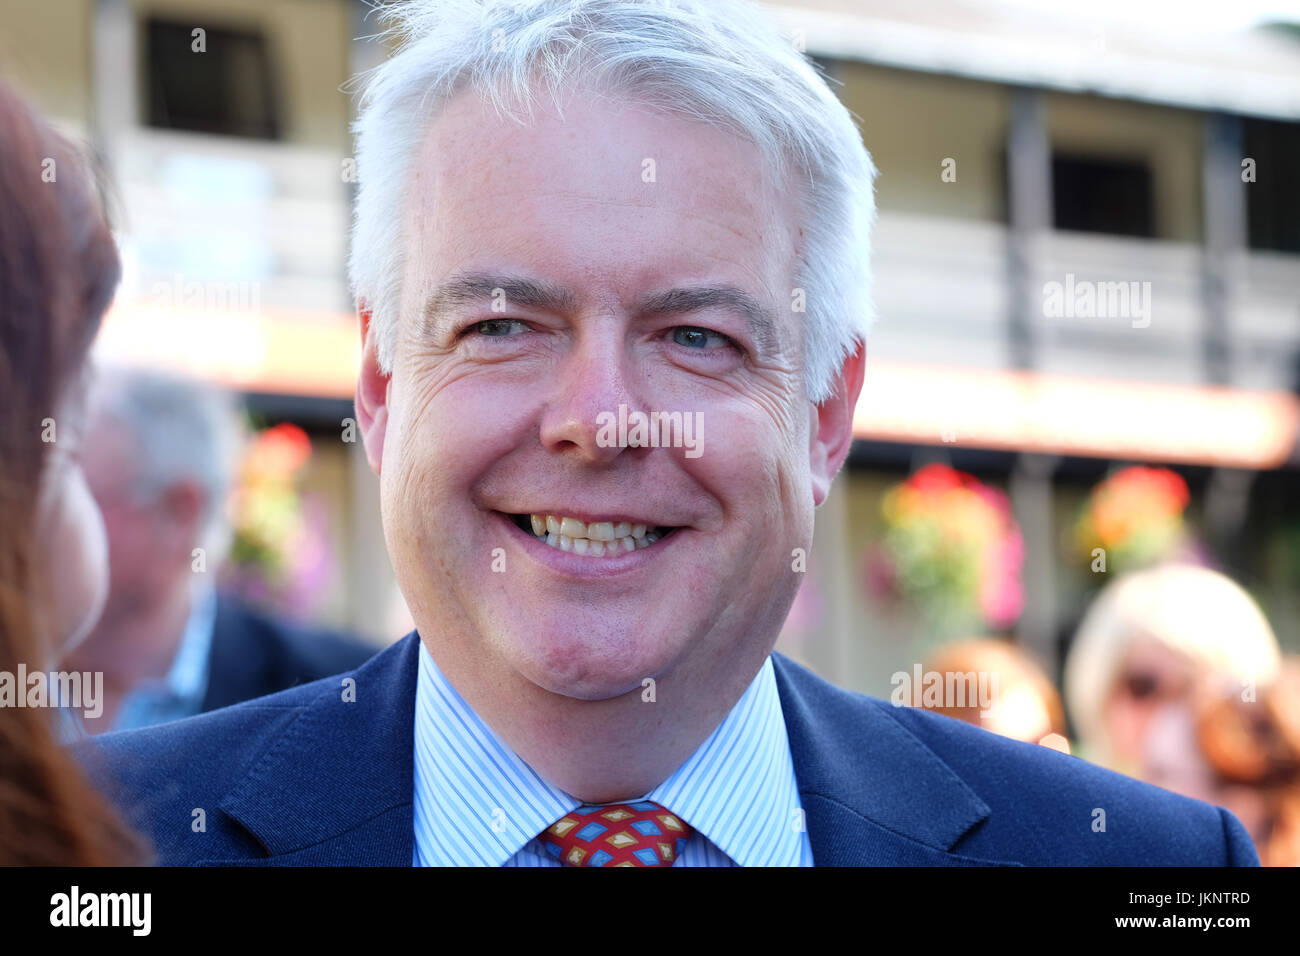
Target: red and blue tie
(617, 834)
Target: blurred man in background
(159, 456)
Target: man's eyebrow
(517, 290)
(476, 286)
(762, 324)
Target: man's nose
(591, 383)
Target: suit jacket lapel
(872, 793)
(336, 787)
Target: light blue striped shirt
(478, 804)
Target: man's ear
(181, 507)
(372, 393)
(831, 432)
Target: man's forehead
(489, 191)
(111, 450)
(595, 148)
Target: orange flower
(278, 452)
(1135, 504)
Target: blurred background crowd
(1098, 503)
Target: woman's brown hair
(1256, 744)
(58, 270)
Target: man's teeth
(597, 539)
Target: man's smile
(594, 538)
(569, 543)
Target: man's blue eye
(497, 327)
(696, 338)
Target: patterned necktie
(617, 834)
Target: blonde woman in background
(1153, 651)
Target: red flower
(279, 451)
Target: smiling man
(570, 211)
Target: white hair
(184, 430)
(722, 62)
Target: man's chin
(593, 663)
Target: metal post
(1031, 501)
(1225, 239)
(1029, 213)
(1226, 498)
(114, 109)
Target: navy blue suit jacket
(303, 777)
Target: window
(1102, 194)
(227, 88)
(1273, 199)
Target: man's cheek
(420, 448)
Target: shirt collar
(738, 788)
(188, 676)
(180, 693)
(478, 803)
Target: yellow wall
(45, 54)
(309, 42)
(1168, 139)
(911, 122)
